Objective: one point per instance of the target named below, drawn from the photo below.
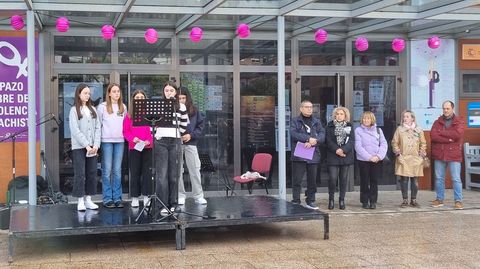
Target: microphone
(57, 121)
(173, 98)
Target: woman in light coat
(409, 145)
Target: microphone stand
(13, 136)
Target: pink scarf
(410, 127)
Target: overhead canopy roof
(342, 18)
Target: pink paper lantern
(196, 34)
(321, 36)
(398, 45)
(151, 36)
(108, 32)
(62, 24)
(434, 42)
(361, 44)
(17, 22)
(243, 30)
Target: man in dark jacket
(308, 130)
(447, 140)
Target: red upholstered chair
(261, 163)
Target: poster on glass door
(432, 80)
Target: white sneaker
(146, 201)
(181, 200)
(135, 202)
(164, 211)
(89, 204)
(81, 204)
(201, 201)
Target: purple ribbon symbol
(15, 61)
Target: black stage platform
(63, 219)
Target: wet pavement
(388, 237)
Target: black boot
(330, 204)
(341, 204)
(373, 206)
(365, 206)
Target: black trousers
(167, 165)
(340, 173)
(299, 169)
(370, 173)
(140, 172)
(84, 173)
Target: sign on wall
(432, 80)
(14, 87)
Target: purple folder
(302, 152)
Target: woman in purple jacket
(371, 148)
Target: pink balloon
(17, 22)
(361, 44)
(108, 32)
(321, 36)
(398, 44)
(151, 36)
(434, 42)
(196, 34)
(63, 24)
(243, 30)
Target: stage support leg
(180, 237)
(10, 248)
(326, 227)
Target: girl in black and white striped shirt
(168, 153)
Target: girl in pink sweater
(140, 159)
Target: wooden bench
(472, 155)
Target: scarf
(340, 132)
(410, 127)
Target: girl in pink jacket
(140, 154)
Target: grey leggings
(413, 187)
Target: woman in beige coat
(409, 145)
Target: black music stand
(206, 165)
(153, 113)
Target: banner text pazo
(14, 87)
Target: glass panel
(329, 53)
(134, 50)
(66, 91)
(377, 94)
(322, 92)
(151, 84)
(379, 53)
(258, 103)
(471, 83)
(212, 93)
(262, 52)
(82, 49)
(207, 52)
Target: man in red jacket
(447, 141)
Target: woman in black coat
(340, 144)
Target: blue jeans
(112, 155)
(440, 167)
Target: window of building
(82, 49)
(262, 52)
(207, 52)
(470, 81)
(329, 53)
(134, 50)
(379, 53)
